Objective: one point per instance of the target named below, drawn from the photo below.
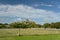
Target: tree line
(29, 24)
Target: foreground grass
(35, 34)
(40, 37)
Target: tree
(13, 25)
(25, 24)
(2, 25)
(57, 25)
(46, 25)
(39, 26)
(17, 25)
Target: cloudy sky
(40, 11)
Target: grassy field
(30, 34)
(41, 37)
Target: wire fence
(28, 31)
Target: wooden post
(19, 32)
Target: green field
(41, 37)
(30, 34)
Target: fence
(28, 31)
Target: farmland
(30, 34)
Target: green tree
(57, 25)
(2, 25)
(46, 25)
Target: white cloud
(42, 4)
(49, 5)
(27, 12)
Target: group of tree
(24, 24)
(30, 24)
(52, 25)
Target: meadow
(30, 34)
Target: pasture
(30, 34)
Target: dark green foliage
(46, 25)
(24, 24)
(2, 25)
(29, 24)
(55, 25)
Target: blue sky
(40, 11)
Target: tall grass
(28, 31)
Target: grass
(32, 31)
(41, 37)
(35, 34)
